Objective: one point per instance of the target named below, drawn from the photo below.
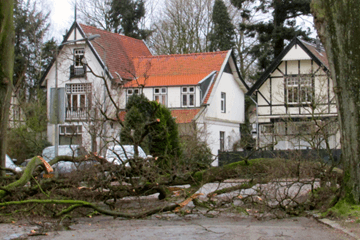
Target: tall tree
(222, 35)
(338, 25)
(6, 71)
(31, 24)
(119, 16)
(125, 16)
(280, 27)
(95, 13)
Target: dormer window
(188, 96)
(78, 69)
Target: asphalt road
(196, 227)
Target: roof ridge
(108, 32)
(314, 46)
(183, 55)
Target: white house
(204, 90)
(296, 107)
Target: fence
(308, 154)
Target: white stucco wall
(211, 134)
(98, 98)
(235, 100)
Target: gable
(229, 67)
(296, 50)
(296, 53)
(113, 51)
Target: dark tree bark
(338, 25)
(6, 70)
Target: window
(160, 95)
(132, 91)
(78, 100)
(70, 134)
(188, 96)
(79, 57)
(79, 67)
(299, 89)
(222, 141)
(223, 102)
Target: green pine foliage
(271, 34)
(125, 16)
(164, 137)
(151, 126)
(222, 35)
(32, 55)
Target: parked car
(10, 164)
(118, 154)
(66, 150)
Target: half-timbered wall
(297, 91)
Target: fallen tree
(109, 183)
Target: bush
(32, 143)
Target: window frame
(79, 55)
(222, 141)
(223, 102)
(188, 96)
(76, 135)
(161, 95)
(78, 99)
(139, 91)
(299, 89)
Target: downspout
(257, 123)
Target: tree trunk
(338, 25)
(6, 70)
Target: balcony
(77, 72)
(77, 113)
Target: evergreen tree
(222, 36)
(31, 25)
(125, 16)
(272, 34)
(154, 121)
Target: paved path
(196, 227)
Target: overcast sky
(62, 16)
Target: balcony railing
(77, 72)
(77, 113)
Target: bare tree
(182, 27)
(95, 13)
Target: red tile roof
(174, 70)
(184, 115)
(117, 51)
(321, 55)
(180, 115)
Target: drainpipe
(257, 123)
